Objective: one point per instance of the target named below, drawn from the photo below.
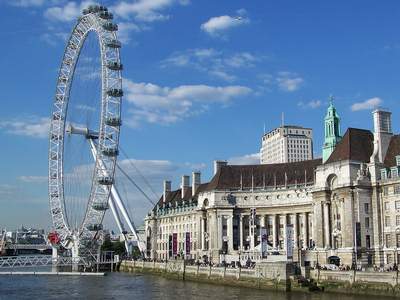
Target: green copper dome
(332, 131)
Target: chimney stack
(185, 185)
(196, 181)
(167, 190)
(382, 134)
(218, 164)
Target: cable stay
(139, 172)
(136, 185)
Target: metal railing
(40, 261)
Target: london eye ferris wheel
(84, 130)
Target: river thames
(129, 286)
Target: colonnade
(249, 230)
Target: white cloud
(27, 3)
(145, 10)
(7, 189)
(240, 60)
(125, 30)
(27, 126)
(165, 105)
(217, 26)
(288, 81)
(135, 14)
(33, 179)
(85, 108)
(367, 104)
(248, 159)
(213, 62)
(66, 13)
(311, 104)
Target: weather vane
(331, 98)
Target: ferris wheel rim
(93, 20)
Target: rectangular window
(388, 241)
(368, 241)
(367, 222)
(385, 191)
(398, 160)
(387, 206)
(387, 221)
(397, 203)
(366, 208)
(398, 220)
(396, 189)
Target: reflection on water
(129, 286)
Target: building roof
(266, 175)
(174, 198)
(393, 151)
(356, 144)
(288, 127)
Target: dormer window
(398, 160)
(394, 172)
(384, 174)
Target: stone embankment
(279, 276)
(358, 282)
(274, 276)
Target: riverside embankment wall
(357, 282)
(274, 276)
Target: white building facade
(286, 144)
(345, 210)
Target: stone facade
(345, 210)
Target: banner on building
(187, 243)
(170, 246)
(289, 241)
(358, 234)
(174, 244)
(264, 242)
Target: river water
(129, 286)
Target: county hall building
(343, 208)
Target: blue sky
(201, 79)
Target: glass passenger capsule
(115, 66)
(115, 93)
(105, 180)
(100, 206)
(95, 227)
(109, 26)
(110, 152)
(113, 121)
(113, 43)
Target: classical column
(229, 224)
(295, 231)
(327, 226)
(203, 232)
(241, 232)
(219, 235)
(284, 230)
(305, 230)
(274, 231)
(251, 232)
(266, 226)
(262, 221)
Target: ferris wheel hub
(90, 134)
